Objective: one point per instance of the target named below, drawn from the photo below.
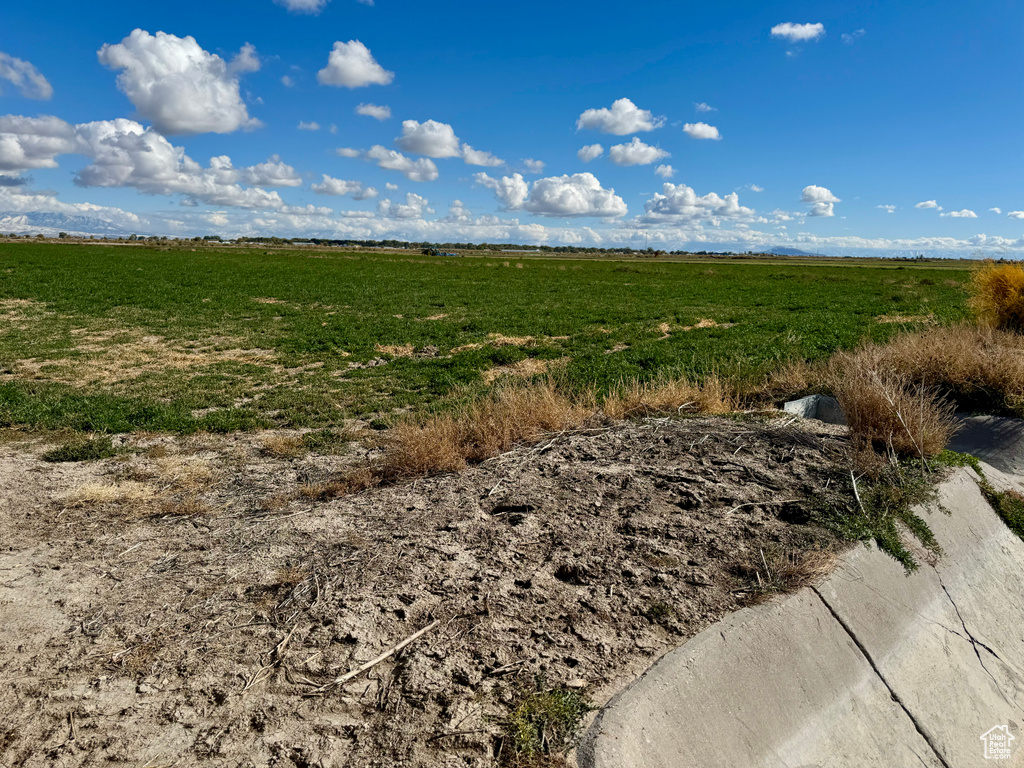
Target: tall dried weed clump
(670, 396)
(997, 295)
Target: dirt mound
(141, 630)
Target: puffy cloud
(578, 195)
(755, 188)
(798, 33)
(680, 204)
(665, 171)
(390, 187)
(246, 60)
(511, 191)
(415, 207)
(176, 85)
(996, 210)
(624, 117)
(25, 77)
(310, 126)
(1016, 214)
(303, 6)
(700, 106)
(820, 199)
(636, 153)
(590, 152)
(962, 214)
(391, 160)
(430, 138)
(34, 142)
(849, 38)
(287, 82)
(533, 166)
(125, 154)
(332, 186)
(887, 208)
(352, 65)
(702, 131)
(479, 157)
(929, 204)
(374, 111)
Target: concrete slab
(873, 667)
(996, 440)
(820, 407)
(780, 685)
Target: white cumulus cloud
(623, 117)
(414, 207)
(310, 126)
(351, 65)
(929, 204)
(339, 187)
(429, 138)
(479, 157)
(636, 153)
(996, 210)
(849, 38)
(887, 208)
(700, 106)
(580, 194)
(820, 199)
(176, 85)
(374, 111)
(533, 166)
(246, 60)
(961, 214)
(1016, 214)
(26, 78)
(590, 152)
(702, 131)
(34, 142)
(680, 204)
(798, 33)
(422, 169)
(665, 171)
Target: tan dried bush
(997, 295)
(282, 446)
(977, 368)
(890, 411)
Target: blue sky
(745, 125)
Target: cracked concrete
(872, 667)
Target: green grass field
(120, 338)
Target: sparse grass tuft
(997, 295)
(777, 570)
(89, 449)
(544, 723)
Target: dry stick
(856, 493)
(371, 664)
(762, 504)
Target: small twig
(856, 493)
(130, 549)
(762, 504)
(371, 664)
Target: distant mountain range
(781, 251)
(52, 224)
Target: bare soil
(183, 604)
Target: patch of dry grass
(772, 571)
(110, 493)
(509, 416)
(282, 446)
(997, 295)
(713, 395)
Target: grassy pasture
(119, 338)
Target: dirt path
(180, 605)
